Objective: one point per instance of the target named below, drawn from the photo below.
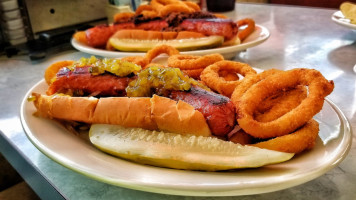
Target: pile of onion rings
(275, 108)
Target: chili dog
(93, 95)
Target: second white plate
(260, 35)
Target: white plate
(260, 35)
(340, 19)
(79, 155)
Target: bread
(156, 113)
(178, 117)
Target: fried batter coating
(188, 62)
(296, 142)
(280, 104)
(318, 89)
(210, 76)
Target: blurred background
(23, 30)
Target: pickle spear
(180, 151)
(180, 44)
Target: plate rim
(203, 191)
(265, 34)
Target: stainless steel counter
(300, 37)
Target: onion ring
(243, 34)
(158, 5)
(150, 13)
(210, 76)
(138, 60)
(318, 88)
(192, 5)
(166, 2)
(228, 76)
(52, 70)
(81, 37)
(247, 82)
(147, 11)
(193, 73)
(296, 142)
(175, 8)
(142, 8)
(188, 62)
(124, 16)
(161, 49)
(279, 104)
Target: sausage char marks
(82, 83)
(98, 36)
(201, 22)
(222, 27)
(217, 109)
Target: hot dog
(190, 20)
(155, 115)
(86, 93)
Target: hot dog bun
(156, 113)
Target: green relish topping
(31, 98)
(159, 79)
(111, 65)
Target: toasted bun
(157, 113)
(178, 117)
(124, 111)
(64, 107)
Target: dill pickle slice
(179, 151)
(180, 44)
